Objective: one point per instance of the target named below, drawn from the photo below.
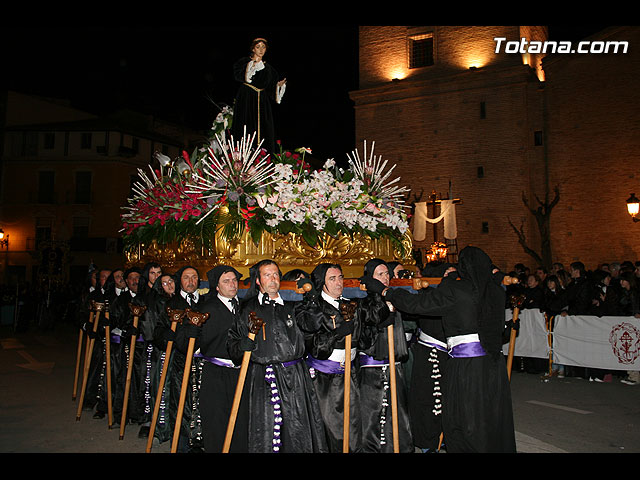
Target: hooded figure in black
(186, 296)
(123, 331)
(95, 393)
(219, 373)
(160, 332)
(284, 415)
(477, 411)
(319, 316)
(375, 315)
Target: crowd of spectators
(611, 289)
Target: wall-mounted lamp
(633, 205)
(4, 239)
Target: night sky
(184, 73)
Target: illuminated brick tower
(449, 110)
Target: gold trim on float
(290, 251)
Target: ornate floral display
(236, 186)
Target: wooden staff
(78, 357)
(197, 319)
(175, 316)
(516, 303)
(137, 311)
(98, 307)
(394, 397)
(416, 282)
(348, 310)
(255, 324)
(107, 336)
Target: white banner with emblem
(611, 343)
(599, 342)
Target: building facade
(66, 174)
(467, 112)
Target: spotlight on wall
(633, 205)
(4, 239)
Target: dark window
(85, 142)
(80, 227)
(420, 50)
(483, 110)
(46, 183)
(480, 172)
(43, 230)
(537, 138)
(83, 187)
(49, 140)
(485, 227)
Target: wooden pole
(175, 316)
(107, 335)
(394, 397)
(512, 343)
(348, 311)
(78, 357)
(347, 394)
(137, 310)
(516, 303)
(255, 323)
(197, 319)
(87, 363)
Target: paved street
(37, 413)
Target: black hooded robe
(318, 319)
(278, 380)
(374, 375)
(477, 410)
(219, 374)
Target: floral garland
(243, 189)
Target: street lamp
(633, 205)
(4, 240)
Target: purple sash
(215, 361)
(325, 366)
(465, 350)
(368, 361)
(292, 362)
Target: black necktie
(234, 305)
(267, 301)
(191, 298)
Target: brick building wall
(448, 124)
(594, 149)
(489, 132)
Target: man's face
(269, 280)
(382, 273)
(333, 282)
(189, 280)
(104, 274)
(154, 273)
(132, 281)
(118, 277)
(228, 285)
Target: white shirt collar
(329, 299)
(227, 302)
(184, 294)
(278, 299)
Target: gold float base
(290, 251)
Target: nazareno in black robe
(278, 379)
(477, 410)
(375, 380)
(318, 319)
(249, 102)
(219, 382)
